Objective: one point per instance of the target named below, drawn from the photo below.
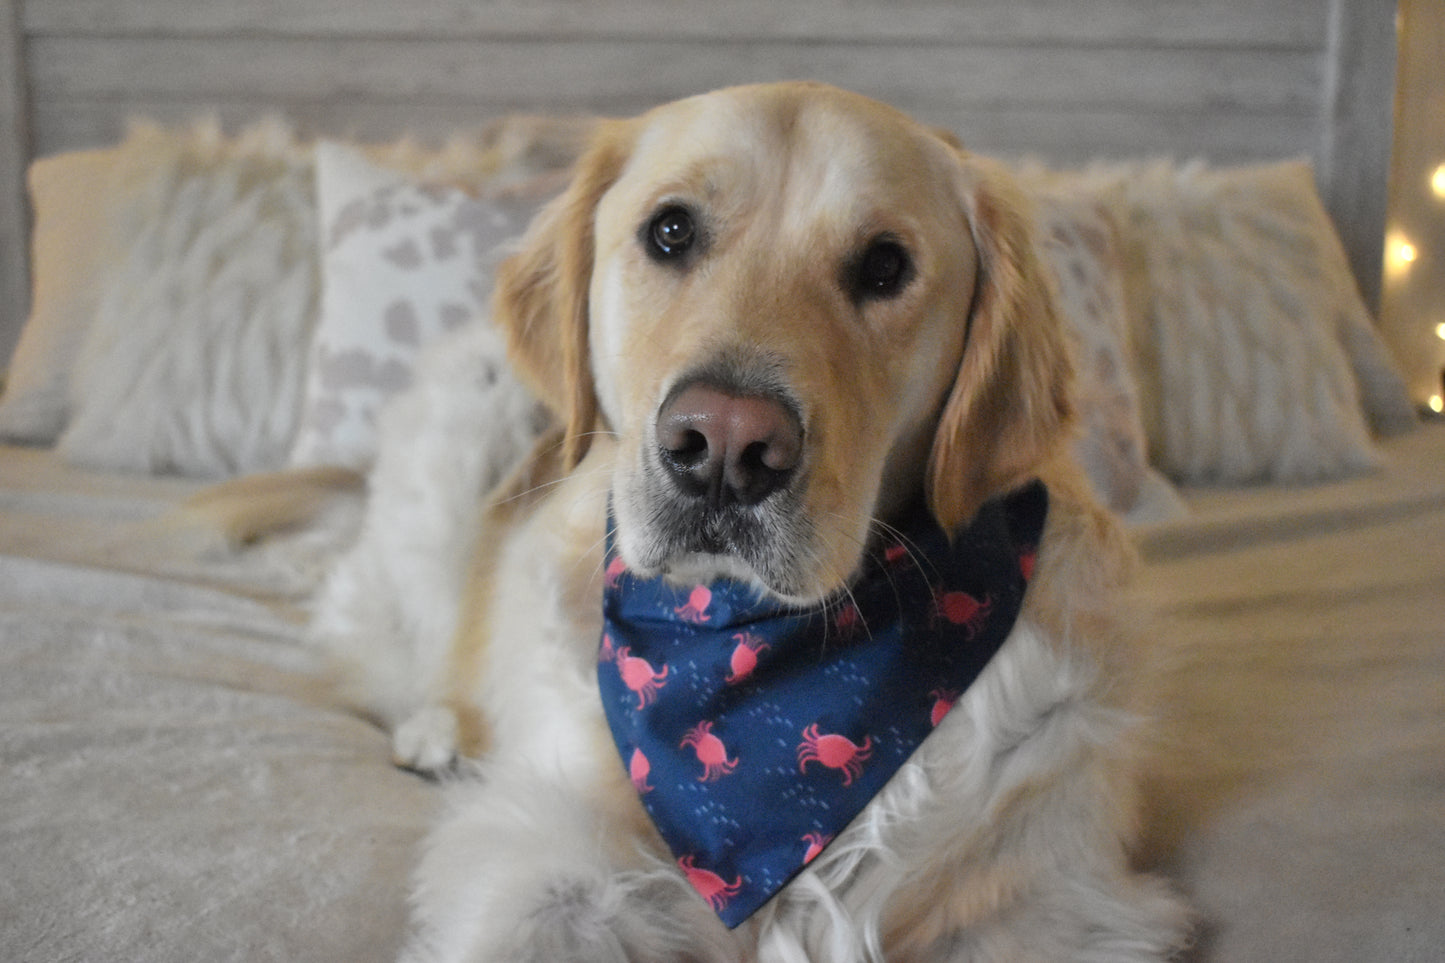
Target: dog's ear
(950, 138)
(540, 299)
(1010, 409)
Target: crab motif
(709, 885)
(615, 570)
(835, 752)
(1026, 564)
(710, 752)
(639, 676)
(943, 700)
(695, 608)
(638, 769)
(848, 620)
(745, 656)
(960, 608)
(816, 844)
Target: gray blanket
(176, 785)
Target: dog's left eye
(881, 272)
(670, 234)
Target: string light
(1437, 181)
(1400, 254)
(1440, 331)
(1437, 404)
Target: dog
(770, 322)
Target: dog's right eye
(670, 234)
(881, 272)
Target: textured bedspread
(175, 784)
(1308, 632)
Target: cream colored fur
(1004, 838)
(389, 607)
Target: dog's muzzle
(722, 448)
(724, 483)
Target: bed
(179, 782)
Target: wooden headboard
(1064, 80)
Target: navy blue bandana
(755, 732)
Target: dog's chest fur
(941, 819)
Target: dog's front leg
(548, 854)
(532, 866)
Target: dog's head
(795, 309)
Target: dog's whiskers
(550, 484)
(832, 604)
(912, 552)
(595, 550)
(911, 549)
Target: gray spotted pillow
(402, 263)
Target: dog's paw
(427, 742)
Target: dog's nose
(726, 447)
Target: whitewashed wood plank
(1059, 135)
(73, 125)
(1279, 23)
(14, 155)
(629, 75)
(1076, 137)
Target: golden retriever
(769, 319)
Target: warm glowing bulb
(1437, 404)
(1401, 254)
(1440, 331)
(1437, 181)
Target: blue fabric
(755, 732)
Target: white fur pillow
(1248, 328)
(402, 263)
(1078, 243)
(194, 359)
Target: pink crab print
(848, 620)
(960, 608)
(835, 752)
(639, 676)
(745, 656)
(816, 843)
(709, 885)
(615, 570)
(638, 769)
(943, 700)
(695, 608)
(710, 752)
(895, 553)
(605, 651)
(1026, 563)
